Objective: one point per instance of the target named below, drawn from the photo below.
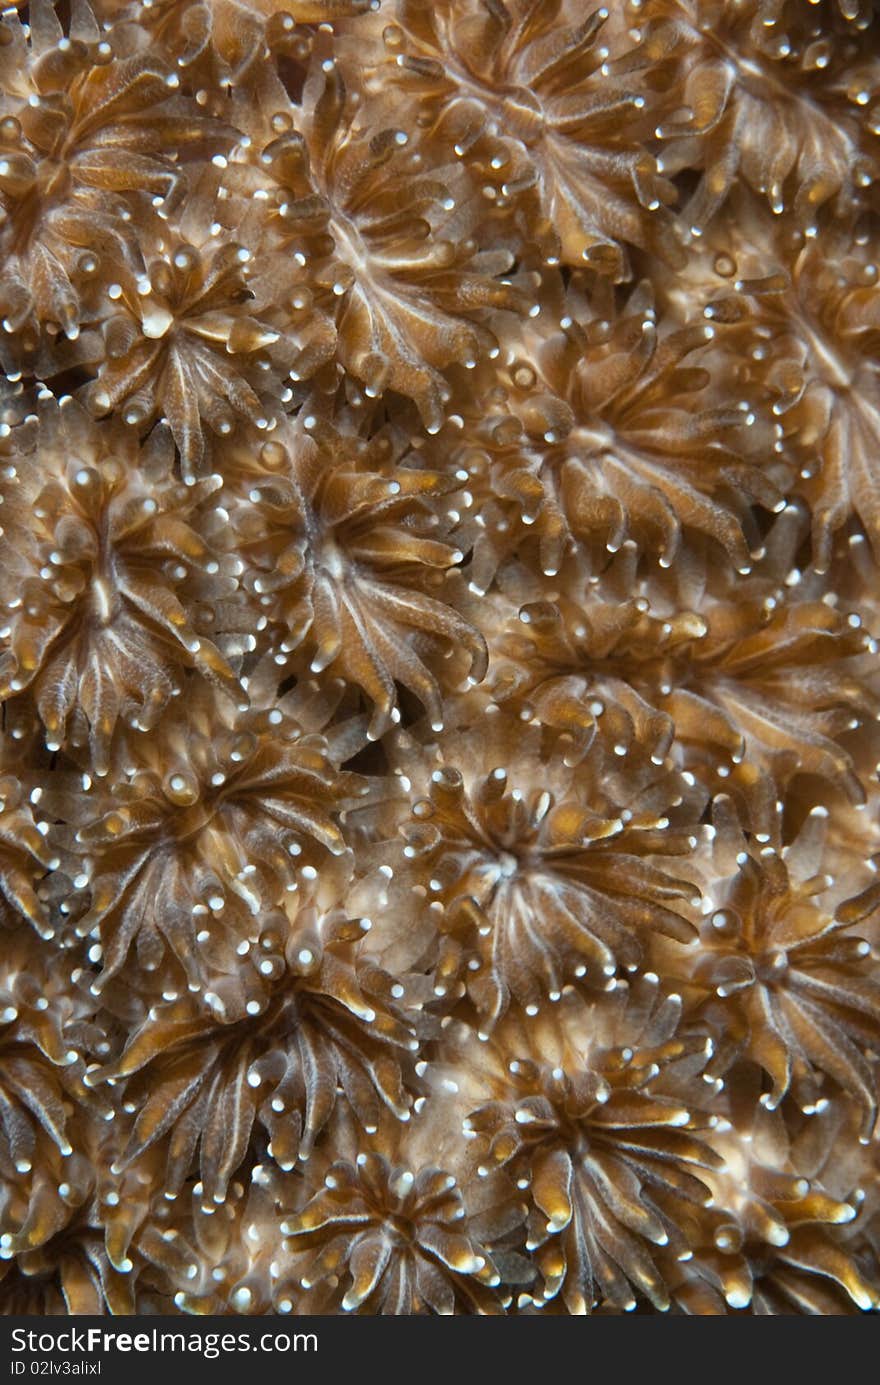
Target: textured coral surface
(439, 542)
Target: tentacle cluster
(439, 686)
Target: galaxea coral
(86, 126)
(97, 542)
(439, 685)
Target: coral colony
(440, 480)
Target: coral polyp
(184, 343)
(525, 874)
(439, 682)
(556, 107)
(767, 100)
(785, 975)
(603, 1136)
(612, 428)
(349, 542)
(85, 131)
(402, 249)
(400, 1236)
(98, 539)
(211, 825)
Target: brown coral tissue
(439, 678)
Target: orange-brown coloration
(85, 133)
(216, 817)
(439, 681)
(539, 874)
(402, 1237)
(783, 978)
(557, 118)
(97, 543)
(348, 546)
